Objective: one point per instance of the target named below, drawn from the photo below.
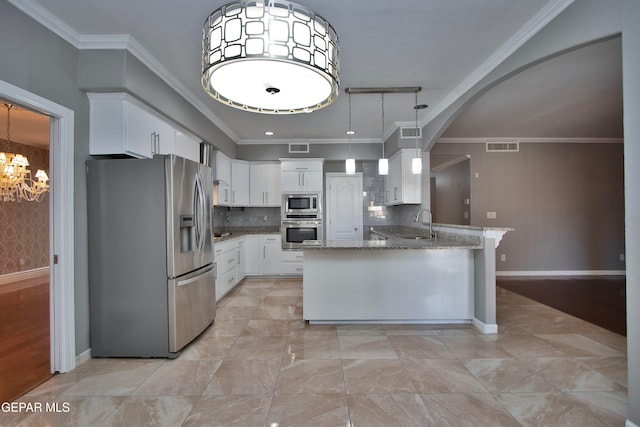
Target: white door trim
(61, 234)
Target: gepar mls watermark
(32, 407)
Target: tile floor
(261, 365)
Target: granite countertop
(400, 237)
(414, 244)
(227, 233)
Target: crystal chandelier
(270, 56)
(16, 183)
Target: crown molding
(536, 140)
(545, 15)
(120, 42)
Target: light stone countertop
(411, 244)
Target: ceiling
(27, 127)
(434, 44)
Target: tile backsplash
(374, 210)
(245, 217)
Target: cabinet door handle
(264, 252)
(302, 178)
(233, 196)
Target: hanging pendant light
(350, 163)
(416, 162)
(270, 56)
(383, 162)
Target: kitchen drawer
(229, 280)
(292, 256)
(229, 260)
(292, 267)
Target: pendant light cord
(415, 107)
(382, 137)
(350, 130)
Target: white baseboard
(485, 328)
(24, 275)
(562, 273)
(630, 424)
(83, 357)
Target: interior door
(344, 206)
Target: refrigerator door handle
(199, 212)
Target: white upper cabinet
(301, 176)
(239, 183)
(401, 186)
(222, 189)
(120, 124)
(264, 184)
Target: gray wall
(359, 151)
(565, 201)
(38, 61)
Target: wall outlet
(491, 215)
(503, 257)
(21, 261)
(621, 257)
(477, 174)
(466, 215)
(265, 218)
(467, 201)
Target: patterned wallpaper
(24, 226)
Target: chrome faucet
(417, 218)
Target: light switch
(491, 215)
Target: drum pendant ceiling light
(270, 56)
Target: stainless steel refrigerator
(151, 271)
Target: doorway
(61, 230)
(24, 264)
(344, 206)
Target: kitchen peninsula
(402, 276)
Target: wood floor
(600, 300)
(24, 334)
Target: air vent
(410, 132)
(503, 147)
(298, 148)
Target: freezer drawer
(192, 306)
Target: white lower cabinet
(271, 261)
(230, 265)
(292, 262)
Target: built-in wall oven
(301, 219)
(294, 232)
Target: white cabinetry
(301, 175)
(264, 184)
(401, 186)
(120, 124)
(230, 265)
(263, 254)
(239, 183)
(271, 262)
(222, 189)
(292, 262)
(253, 252)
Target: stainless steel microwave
(301, 206)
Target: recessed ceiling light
(269, 133)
